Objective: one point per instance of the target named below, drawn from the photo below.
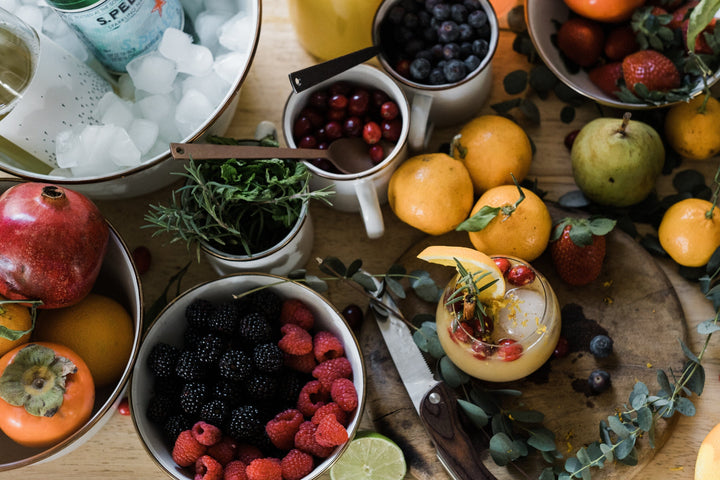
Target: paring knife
(434, 401)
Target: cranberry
(124, 407)
(315, 117)
(324, 164)
(371, 133)
(333, 130)
(480, 350)
(336, 114)
(562, 348)
(502, 263)
(353, 315)
(319, 99)
(391, 129)
(570, 139)
(340, 88)
(323, 146)
(377, 153)
(379, 97)
(338, 101)
(520, 275)
(308, 141)
(142, 258)
(402, 67)
(358, 102)
(321, 135)
(389, 110)
(352, 127)
(301, 127)
(509, 350)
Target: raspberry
(207, 468)
(312, 396)
(296, 340)
(306, 442)
(327, 346)
(187, 450)
(301, 363)
(330, 408)
(235, 470)
(206, 434)
(224, 451)
(264, 469)
(330, 370)
(283, 427)
(330, 433)
(246, 453)
(344, 394)
(296, 465)
(295, 312)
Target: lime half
(370, 455)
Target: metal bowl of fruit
(252, 372)
(633, 59)
(185, 90)
(91, 324)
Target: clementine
(605, 10)
(15, 325)
(690, 231)
(691, 128)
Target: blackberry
(209, 348)
(193, 396)
(266, 302)
(192, 335)
(167, 385)
(176, 424)
(215, 412)
(230, 392)
(255, 329)
(224, 319)
(198, 313)
(289, 389)
(245, 424)
(189, 367)
(160, 407)
(162, 360)
(268, 357)
(235, 365)
(261, 386)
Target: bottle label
(116, 31)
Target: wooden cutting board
(633, 301)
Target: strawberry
(701, 44)
(581, 40)
(620, 43)
(577, 247)
(606, 77)
(652, 69)
(681, 15)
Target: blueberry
(420, 68)
(426, 53)
(437, 50)
(441, 11)
(436, 77)
(450, 51)
(458, 12)
(484, 31)
(454, 70)
(599, 381)
(430, 34)
(429, 4)
(471, 5)
(465, 49)
(448, 31)
(413, 46)
(423, 18)
(396, 14)
(601, 346)
(480, 47)
(472, 62)
(410, 20)
(477, 19)
(466, 32)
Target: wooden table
(117, 453)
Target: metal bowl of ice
(185, 89)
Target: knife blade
(433, 399)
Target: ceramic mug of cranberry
(440, 55)
(365, 191)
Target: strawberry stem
(716, 190)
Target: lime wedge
(370, 455)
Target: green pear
(615, 162)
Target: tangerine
(97, 328)
(605, 10)
(15, 325)
(431, 192)
(519, 224)
(690, 231)
(492, 148)
(691, 128)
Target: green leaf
(530, 110)
(644, 419)
(685, 406)
(354, 268)
(542, 79)
(624, 447)
(452, 375)
(364, 280)
(639, 394)
(526, 416)
(480, 220)
(476, 414)
(547, 474)
(395, 287)
(506, 106)
(607, 451)
(567, 114)
(541, 439)
(663, 381)
(700, 17)
(618, 427)
(502, 449)
(688, 353)
(572, 465)
(333, 266)
(515, 82)
(601, 226)
(688, 180)
(694, 377)
(500, 424)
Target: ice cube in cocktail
(517, 335)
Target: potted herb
(243, 214)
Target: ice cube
(96, 141)
(174, 44)
(235, 33)
(113, 110)
(144, 134)
(72, 43)
(54, 26)
(523, 314)
(197, 61)
(152, 72)
(123, 151)
(221, 6)
(30, 14)
(192, 111)
(68, 149)
(229, 66)
(161, 110)
(9, 5)
(211, 85)
(126, 87)
(207, 27)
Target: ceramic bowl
(541, 17)
(169, 327)
(118, 279)
(158, 171)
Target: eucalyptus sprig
(237, 206)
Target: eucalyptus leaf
(502, 449)
(499, 424)
(688, 180)
(530, 110)
(547, 474)
(567, 114)
(714, 263)
(685, 406)
(624, 447)
(663, 381)
(688, 353)
(541, 78)
(572, 465)
(364, 280)
(694, 377)
(435, 348)
(333, 266)
(526, 416)
(452, 375)
(708, 326)
(541, 439)
(484, 400)
(316, 283)
(618, 427)
(574, 199)
(607, 451)
(515, 82)
(395, 287)
(426, 289)
(354, 267)
(639, 394)
(644, 418)
(630, 459)
(477, 415)
(506, 106)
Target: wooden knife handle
(439, 413)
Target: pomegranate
(53, 244)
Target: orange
(689, 233)
(692, 128)
(97, 328)
(605, 10)
(707, 463)
(16, 318)
(492, 148)
(519, 229)
(477, 263)
(431, 192)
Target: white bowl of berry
(249, 372)
(635, 58)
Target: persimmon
(605, 10)
(46, 393)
